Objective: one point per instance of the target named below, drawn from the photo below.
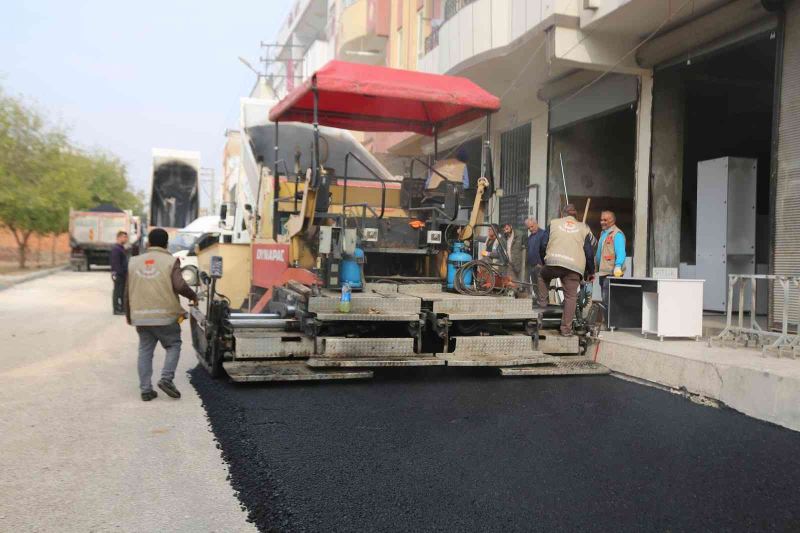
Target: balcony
(364, 32)
(472, 28)
(451, 7)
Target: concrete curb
(7, 282)
(770, 393)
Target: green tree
(27, 147)
(43, 176)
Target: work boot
(169, 388)
(149, 395)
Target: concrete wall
(669, 109)
(599, 159)
(41, 250)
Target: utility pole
(208, 178)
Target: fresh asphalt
(441, 451)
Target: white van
(182, 245)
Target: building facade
(617, 101)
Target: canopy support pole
(315, 170)
(435, 144)
(276, 183)
(486, 147)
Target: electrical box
(434, 237)
(325, 239)
(369, 235)
(726, 225)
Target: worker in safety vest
(568, 255)
(152, 305)
(610, 258)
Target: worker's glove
(617, 272)
(485, 253)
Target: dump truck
(344, 274)
(174, 191)
(92, 233)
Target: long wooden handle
(586, 210)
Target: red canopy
(369, 98)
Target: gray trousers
(170, 339)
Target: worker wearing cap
(610, 258)
(152, 305)
(568, 255)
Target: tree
(26, 148)
(43, 176)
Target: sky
(130, 76)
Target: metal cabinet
(726, 225)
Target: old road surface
(407, 452)
(79, 451)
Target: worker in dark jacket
(119, 271)
(153, 307)
(534, 257)
(568, 254)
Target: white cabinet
(726, 225)
(673, 309)
(661, 307)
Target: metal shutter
(787, 194)
(515, 170)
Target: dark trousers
(533, 279)
(570, 281)
(118, 296)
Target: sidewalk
(9, 280)
(767, 388)
(80, 450)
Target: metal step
(368, 352)
(250, 371)
(498, 350)
(374, 362)
(564, 366)
(368, 317)
(550, 341)
(262, 344)
(353, 348)
(366, 304)
(463, 307)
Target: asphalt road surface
(79, 451)
(465, 452)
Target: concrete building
(618, 99)
(631, 95)
(316, 31)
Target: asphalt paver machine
(349, 274)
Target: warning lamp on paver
(216, 267)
